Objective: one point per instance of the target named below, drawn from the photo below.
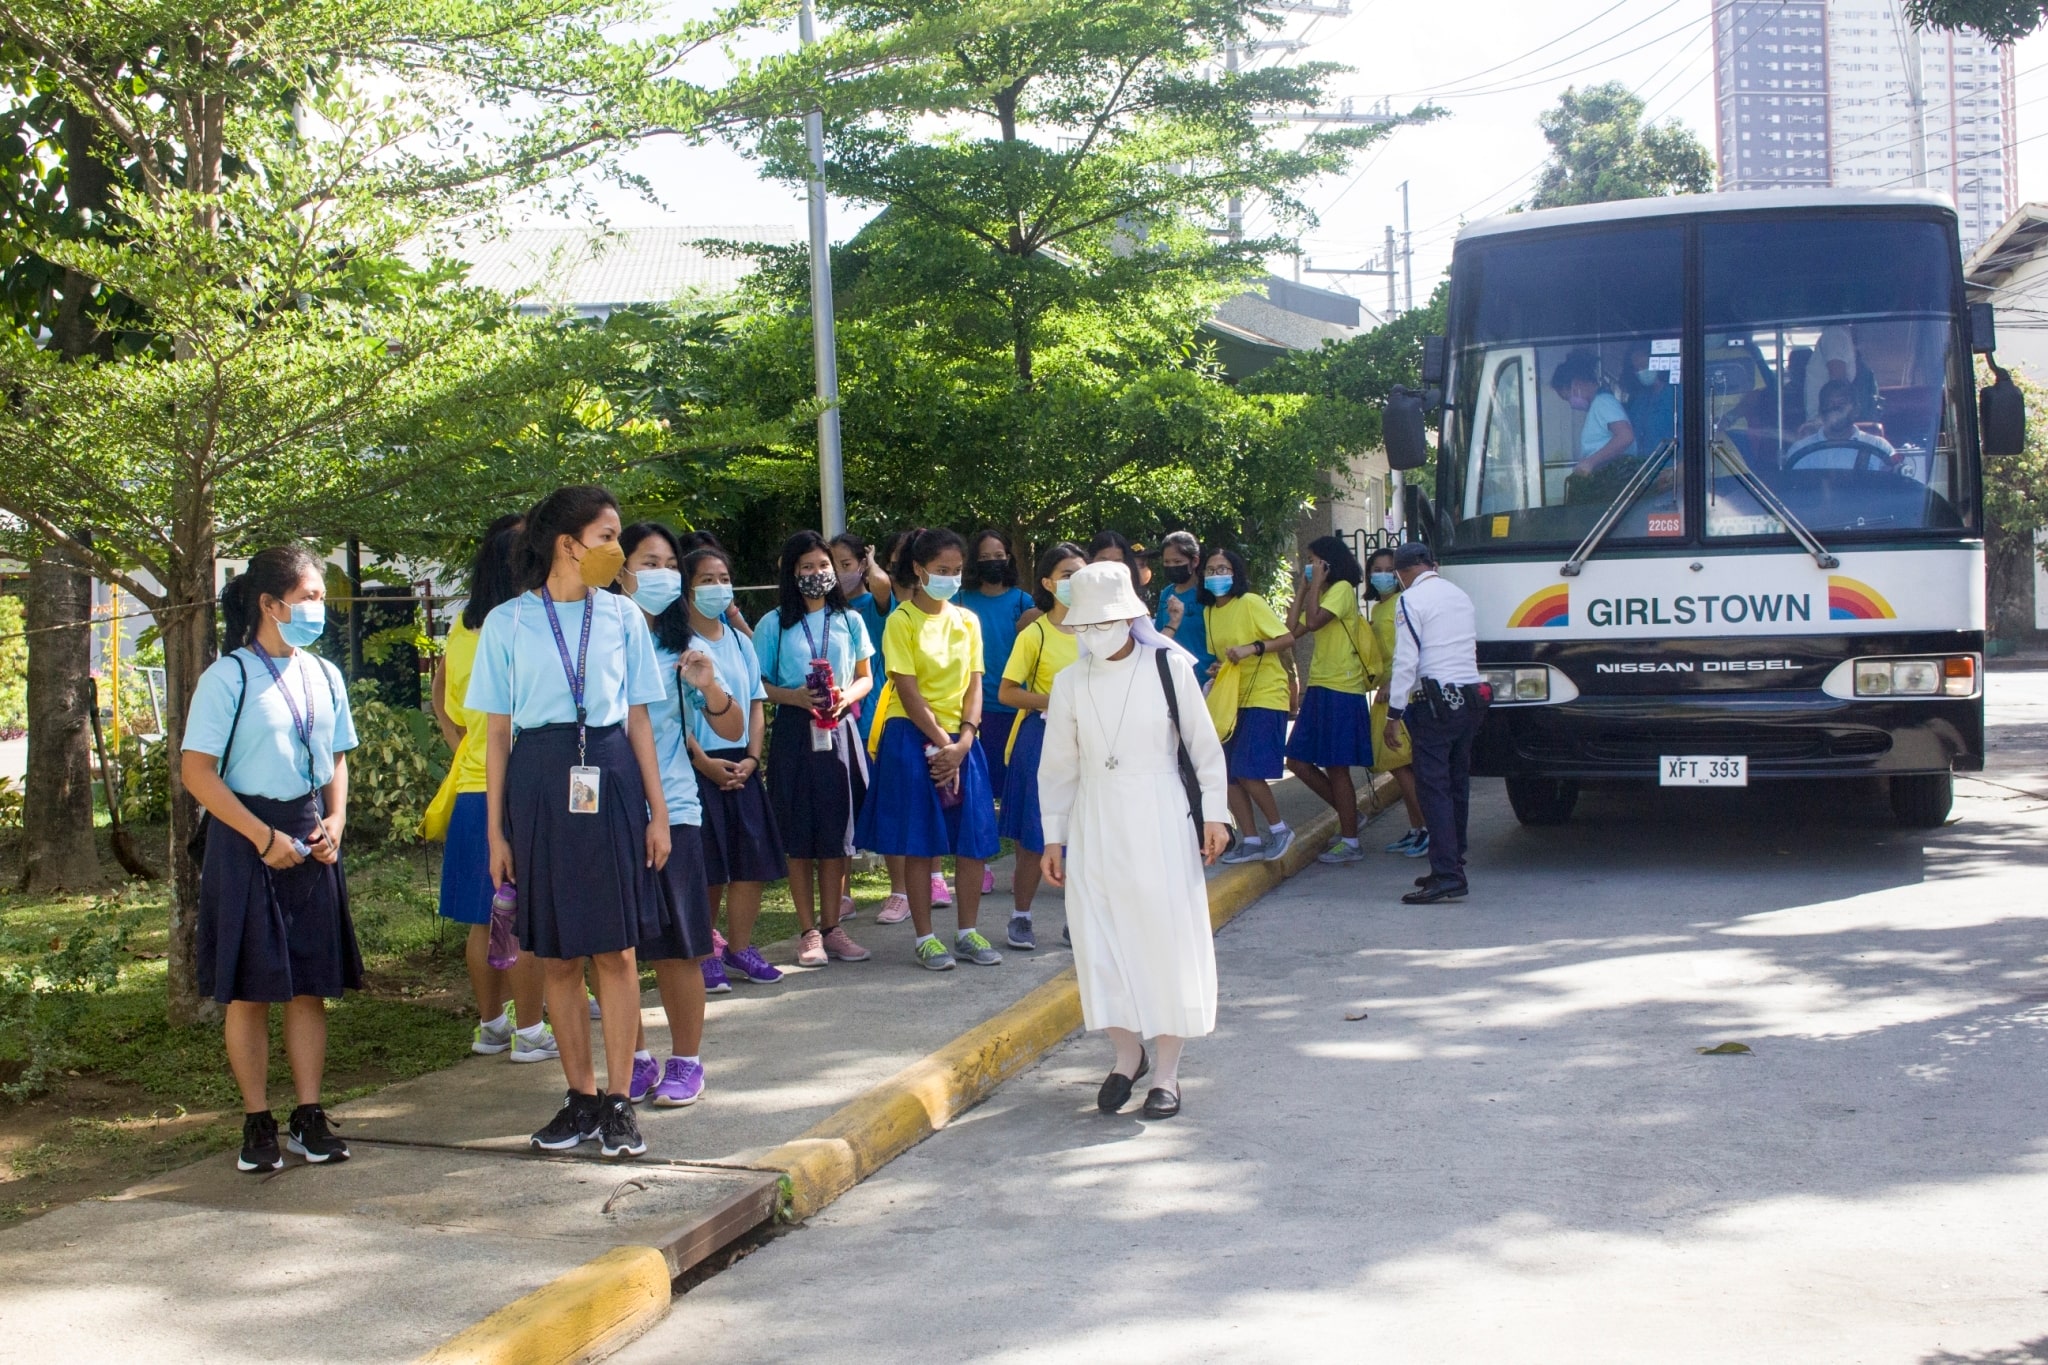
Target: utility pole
(1393, 308)
(1916, 98)
(824, 337)
(1234, 213)
(354, 564)
(1389, 270)
(1407, 252)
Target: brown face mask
(601, 564)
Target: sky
(1494, 64)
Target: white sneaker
(541, 1049)
(1247, 851)
(489, 1040)
(1278, 844)
(1340, 852)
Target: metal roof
(591, 271)
(2022, 238)
(1673, 205)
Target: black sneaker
(575, 1123)
(620, 1130)
(310, 1136)
(259, 1143)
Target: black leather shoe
(1116, 1087)
(1426, 879)
(1162, 1104)
(1434, 892)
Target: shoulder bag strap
(1190, 783)
(234, 723)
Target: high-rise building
(1823, 93)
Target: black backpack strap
(235, 723)
(1190, 782)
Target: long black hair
(922, 546)
(1118, 541)
(982, 537)
(1050, 558)
(490, 572)
(1344, 565)
(1240, 576)
(892, 555)
(1372, 594)
(271, 573)
(564, 512)
(791, 606)
(671, 629)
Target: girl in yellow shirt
(1333, 732)
(1043, 648)
(1241, 627)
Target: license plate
(1703, 770)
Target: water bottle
(504, 949)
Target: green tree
(2002, 21)
(2015, 509)
(1600, 149)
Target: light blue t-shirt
(785, 658)
(739, 673)
(678, 776)
(267, 757)
(1603, 413)
(1193, 635)
(998, 617)
(519, 670)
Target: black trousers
(1443, 783)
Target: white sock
(1128, 1050)
(643, 1055)
(691, 1058)
(1351, 842)
(1251, 841)
(496, 1025)
(535, 1033)
(1279, 827)
(1166, 1062)
(925, 938)
(1020, 914)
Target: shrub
(13, 669)
(145, 768)
(43, 990)
(10, 804)
(395, 769)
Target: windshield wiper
(1768, 499)
(1623, 500)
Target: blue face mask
(1218, 586)
(1384, 583)
(658, 589)
(1063, 592)
(943, 586)
(712, 599)
(308, 622)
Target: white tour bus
(1708, 467)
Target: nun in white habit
(1121, 839)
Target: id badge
(584, 787)
(822, 739)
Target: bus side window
(1505, 484)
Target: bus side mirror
(1983, 329)
(1435, 358)
(1403, 429)
(2001, 416)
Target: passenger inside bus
(1651, 401)
(1606, 439)
(1835, 441)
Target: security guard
(1438, 697)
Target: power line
(1473, 76)
(1545, 75)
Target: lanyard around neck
(302, 722)
(577, 673)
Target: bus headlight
(1952, 676)
(1518, 684)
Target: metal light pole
(824, 341)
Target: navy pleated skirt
(685, 930)
(903, 814)
(466, 888)
(1019, 819)
(1333, 729)
(993, 738)
(741, 841)
(816, 793)
(267, 934)
(1255, 747)
(584, 884)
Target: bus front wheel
(1922, 800)
(1542, 800)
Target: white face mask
(1104, 638)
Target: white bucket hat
(1103, 592)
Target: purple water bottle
(504, 949)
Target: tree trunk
(187, 626)
(61, 850)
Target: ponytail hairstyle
(564, 512)
(691, 541)
(892, 549)
(1344, 565)
(922, 546)
(1050, 559)
(271, 573)
(790, 607)
(671, 629)
(490, 573)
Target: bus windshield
(1831, 366)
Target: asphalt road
(1518, 1154)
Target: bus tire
(1542, 800)
(1922, 800)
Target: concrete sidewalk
(445, 1216)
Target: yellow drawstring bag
(883, 698)
(1224, 695)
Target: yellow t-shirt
(1335, 663)
(458, 657)
(1383, 628)
(941, 651)
(1240, 621)
(1041, 651)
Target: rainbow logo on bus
(1850, 600)
(1550, 606)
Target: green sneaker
(933, 957)
(971, 946)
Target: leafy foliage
(2002, 21)
(1600, 149)
(394, 770)
(44, 986)
(10, 803)
(145, 767)
(13, 668)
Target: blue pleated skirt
(584, 884)
(466, 888)
(266, 934)
(992, 739)
(685, 931)
(902, 814)
(1020, 819)
(1333, 729)
(741, 840)
(1254, 751)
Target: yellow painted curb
(581, 1316)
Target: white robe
(1136, 899)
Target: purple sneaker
(646, 1071)
(751, 966)
(681, 1083)
(715, 982)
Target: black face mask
(992, 570)
(1179, 573)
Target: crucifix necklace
(1109, 759)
